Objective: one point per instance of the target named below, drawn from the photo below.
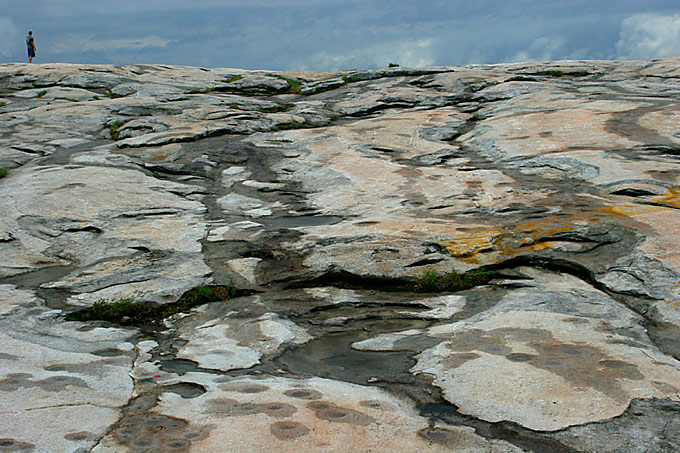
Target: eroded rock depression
(275, 251)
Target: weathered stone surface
(584, 357)
(303, 414)
(141, 182)
(58, 393)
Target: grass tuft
(295, 85)
(3, 172)
(128, 312)
(434, 282)
(111, 95)
(40, 94)
(115, 132)
(202, 91)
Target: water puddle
(34, 279)
(332, 356)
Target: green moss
(2, 104)
(430, 282)
(393, 65)
(147, 314)
(234, 105)
(115, 133)
(111, 95)
(434, 282)
(295, 85)
(235, 78)
(3, 172)
(41, 94)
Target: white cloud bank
(649, 36)
(83, 43)
(10, 39)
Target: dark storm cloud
(332, 34)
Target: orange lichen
(498, 244)
(671, 198)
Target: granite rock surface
(327, 201)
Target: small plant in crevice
(111, 95)
(202, 91)
(141, 313)
(433, 282)
(3, 172)
(40, 94)
(295, 85)
(235, 78)
(393, 65)
(115, 132)
(2, 104)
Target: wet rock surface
(332, 198)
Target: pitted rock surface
(320, 194)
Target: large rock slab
(567, 354)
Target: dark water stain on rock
(243, 387)
(287, 430)
(81, 435)
(305, 394)
(15, 381)
(330, 412)
(96, 368)
(156, 432)
(579, 363)
(376, 404)
(228, 407)
(8, 444)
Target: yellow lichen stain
(500, 244)
(671, 198)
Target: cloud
(85, 42)
(9, 37)
(410, 53)
(649, 36)
(542, 49)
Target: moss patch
(202, 91)
(128, 312)
(430, 282)
(111, 95)
(41, 93)
(3, 172)
(295, 85)
(114, 131)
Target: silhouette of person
(30, 44)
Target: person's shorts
(31, 52)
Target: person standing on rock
(30, 44)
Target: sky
(328, 35)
